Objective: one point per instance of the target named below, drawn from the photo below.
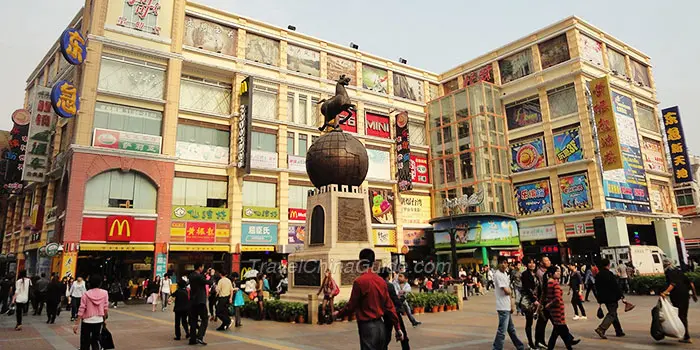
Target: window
(118, 190)
(684, 197)
(131, 77)
(261, 49)
(617, 62)
(562, 101)
(647, 118)
(205, 193)
(303, 145)
(202, 144)
(379, 167)
(259, 194)
(264, 102)
(640, 73)
(290, 143)
(204, 95)
(130, 119)
(516, 66)
(263, 141)
(554, 51)
(298, 195)
(464, 135)
(656, 258)
(416, 133)
(467, 166)
(302, 108)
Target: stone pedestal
(338, 227)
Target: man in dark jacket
(679, 285)
(181, 308)
(385, 273)
(198, 305)
(609, 293)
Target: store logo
(119, 228)
(378, 126)
(179, 212)
(141, 15)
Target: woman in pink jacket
(92, 314)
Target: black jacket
(606, 285)
(198, 291)
(182, 300)
(398, 304)
(54, 292)
(530, 286)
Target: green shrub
(656, 283)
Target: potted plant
(301, 313)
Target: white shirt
(622, 271)
(77, 289)
(22, 290)
(501, 280)
(94, 319)
(165, 286)
(402, 290)
(462, 274)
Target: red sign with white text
(297, 214)
(419, 170)
(377, 125)
(98, 229)
(350, 124)
(200, 232)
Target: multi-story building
(145, 177)
(688, 202)
(565, 204)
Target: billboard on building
(408, 88)
(528, 155)
(567, 146)
(477, 232)
(523, 113)
(682, 172)
(608, 139)
(374, 79)
(382, 206)
(210, 36)
(415, 210)
(403, 153)
(262, 49)
(245, 125)
(419, 170)
(575, 192)
(516, 66)
(303, 60)
(339, 66)
(653, 154)
(534, 198)
(484, 73)
(39, 136)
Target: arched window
(119, 190)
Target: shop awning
(462, 251)
(115, 247)
(200, 247)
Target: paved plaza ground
(136, 327)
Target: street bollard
(313, 309)
(459, 292)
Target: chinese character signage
(575, 194)
(296, 163)
(626, 188)
(384, 238)
(119, 228)
(296, 234)
(534, 198)
(141, 15)
(258, 234)
(126, 141)
(682, 172)
(65, 99)
(415, 209)
(567, 146)
(660, 198)
(297, 214)
(200, 232)
(73, 46)
(538, 233)
(403, 153)
(194, 213)
(549, 249)
(419, 170)
(39, 137)
(261, 213)
(245, 125)
(484, 73)
(263, 160)
(608, 140)
(201, 152)
(377, 125)
(14, 154)
(653, 154)
(210, 36)
(161, 264)
(382, 206)
(528, 155)
(413, 238)
(579, 229)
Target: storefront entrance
(116, 265)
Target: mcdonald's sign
(119, 228)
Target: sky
(435, 36)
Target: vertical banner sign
(14, 156)
(161, 264)
(245, 124)
(403, 153)
(73, 46)
(676, 145)
(608, 140)
(37, 150)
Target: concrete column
(172, 106)
(666, 240)
(485, 256)
(616, 229)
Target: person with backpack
(330, 290)
(181, 307)
(94, 307)
(21, 297)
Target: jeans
(75, 305)
(198, 315)
(611, 319)
(589, 287)
(541, 327)
(529, 317)
(19, 311)
(164, 299)
(505, 323)
(562, 331)
(388, 326)
(90, 335)
(624, 285)
(516, 297)
(372, 334)
(407, 310)
(238, 316)
(181, 320)
(578, 305)
(222, 311)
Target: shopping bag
(106, 340)
(336, 289)
(656, 331)
(670, 322)
(150, 299)
(600, 312)
(12, 310)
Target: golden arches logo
(120, 225)
(244, 88)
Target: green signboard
(261, 213)
(195, 213)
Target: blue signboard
(626, 188)
(567, 146)
(161, 264)
(65, 99)
(534, 198)
(575, 194)
(258, 234)
(73, 46)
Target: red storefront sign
(419, 170)
(350, 124)
(119, 228)
(549, 249)
(378, 125)
(200, 232)
(132, 230)
(297, 214)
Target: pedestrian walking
(529, 299)
(165, 286)
(576, 291)
(505, 308)
(679, 285)
(385, 273)
(153, 292)
(181, 308)
(115, 292)
(589, 281)
(93, 312)
(543, 273)
(370, 301)
(609, 293)
(238, 300)
(54, 292)
(76, 292)
(5, 287)
(224, 292)
(622, 276)
(198, 305)
(554, 303)
(40, 288)
(329, 289)
(516, 284)
(21, 297)
(260, 297)
(404, 288)
(211, 292)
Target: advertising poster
(528, 155)
(375, 79)
(484, 73)
(126, 141)
(250, 212)
(261, 49)
(296, 234)
(296, 214)
(39, 135)
(414, 238)
(660, 198)
(185, 217)
(377, 125)
(379, 167)
(591, 50)
(200, 152)
(534, 198)
(408, 88)
(258, 234)
(303, 60)
(554, 51)
(296, 163)
(523, 113)
(161, 264)
(567, 146)
(626, 188)
(263, 160)
(141, 15)
(210, 36)
(14, 155)
(200, 232)
(538, 233)
(606, 125)
(245, 125)
(339, 66)
(403, 153)
(653, 154)
(384, 238)
(350, 124)
(419, 170)
(478, 232)
(575, 192)
(680, 162)
(415, 210)
(381, 204)
(516, 66)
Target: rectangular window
(591, 50)
(562, 101)
(523, 113)
(379, 167)
(264, 102)
(302, 108)
(120, 190)
(204, 95)
(130, 119)
(131, 77)
(259, 194)
(416, 133)
(261, 49)
(263, 141)
(616, 61)
(640, 73)
(298, 195)
(516, 66)
(647, 118)
(684, 197)
(290, 143)
(554, 51)
(303, 145)
(202, 144)
(205, 193)
(467, 166)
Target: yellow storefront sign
(131, 247)
(415, 209)
(69, 263)
(258, 248)
(608, 139)
(200, 247)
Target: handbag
(600, 312)
(106, 340)
(12, 310)
(336, 289)
(525, 304)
